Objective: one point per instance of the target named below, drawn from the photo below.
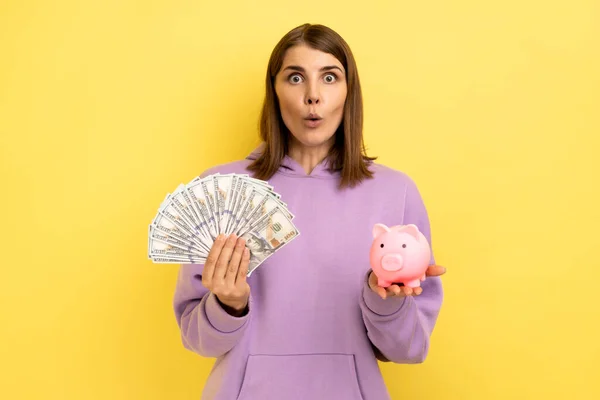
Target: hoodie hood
(291, 167)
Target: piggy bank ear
(412, 230)
(379, 229)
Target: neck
(308, 157)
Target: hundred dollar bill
(196, 217)
(180, 200)
(167, 227)
(269, 234)
(241, 217)
(188, 246)
(202, 201)
(171, 260)
(265, 185)
(228, 189)
(229, 184)
(247, 211)
(222, 186)
(231, 196)
(236, 185)
(212, 184)
(240, 189)
(241, 196)
(190, 218)
(170, 211)
(257, 182)
(200, 205)
(266, 203)
(158, 248)
(209, 193)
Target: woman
(311, 322)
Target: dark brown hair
(348, 154)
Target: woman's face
(311, 84)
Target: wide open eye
(295, 78)
(333, 78)
(403, 246)
(381, 245)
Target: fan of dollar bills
(189, 220)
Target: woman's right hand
(225, 273)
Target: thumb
(372, 280)
(435, 270)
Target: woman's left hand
(402, 291)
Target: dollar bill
(166, 226)
(201, 201)
(182, 203)
(265, 205)
(159, 248)
(267, 235)
(169, 209)
(190, 218)
(188, 246)
(222, 186)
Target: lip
(313, 116)
(312, 123)
(312, 120)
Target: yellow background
(492, 107)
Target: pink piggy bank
(399, 254)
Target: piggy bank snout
(392, 262)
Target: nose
(312, 95)
(392, 262)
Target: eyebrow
(325, 68)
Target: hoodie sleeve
(206, 328)
(400, 327)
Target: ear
(411, 229)
(379, 229)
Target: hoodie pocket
(300, 376)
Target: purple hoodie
(314, 329)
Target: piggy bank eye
(381, 245)
(403, 246)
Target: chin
(314, 139)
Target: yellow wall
(106, 106)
